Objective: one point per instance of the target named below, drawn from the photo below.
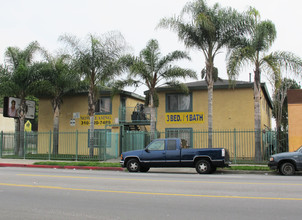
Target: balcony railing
(137, 114)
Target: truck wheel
(203, 167)
(133, 165)
(144, 169)
(287, 169)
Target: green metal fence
(71, 145)
(239, 143)
(75, 145)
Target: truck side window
(184, 143)
(157, 145)
(171, 145)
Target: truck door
(172, 153)
(156, 154)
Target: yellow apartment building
(233, 107)
(110, 114)
(186, 116)
(178, 115)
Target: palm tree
(209, 29)
(254, 51)
(58, 80)
(19, 81)
(3, 72)
(97, 60)
(152, 70)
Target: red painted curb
(61, 167)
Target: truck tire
(287, 169)
(144, 169)
(203, 167)
(133, 165)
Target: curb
(263, 172)
(62, 167)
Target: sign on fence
(27, 126)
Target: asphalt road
(32, 193)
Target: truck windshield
(299, 149)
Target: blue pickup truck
(174, 152)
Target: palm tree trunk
(22, 112)
(19, 126)
(153, 116)
(210, 82)
(210, 116)
(257, 93)
(56, 130)
(21, 149)
(91, 136)
(278, 107)
(17, 136)
(153, 122)
(91, 111)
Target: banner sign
(184, 117)
(12, 108)
(98, 120)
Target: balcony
(137, 115)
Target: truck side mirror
(147, 150)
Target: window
(157, 145)
(182, 133)
(178, 102)
(171, 145)
(104, 105)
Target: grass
(106, 164)
(90, 164)
(249, 168)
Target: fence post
(24, 145)
(77, 144)
(116, 145)
(1, 143)
(123, 139)
(106, 133)
(235, 147)
(49, 150)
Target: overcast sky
(24, 21)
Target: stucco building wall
(294, 98)
(232, 109)
(6, 124)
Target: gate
(135, 140)
(107, 142)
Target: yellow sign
(98, 119)
(27, 126)
(184, 117)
